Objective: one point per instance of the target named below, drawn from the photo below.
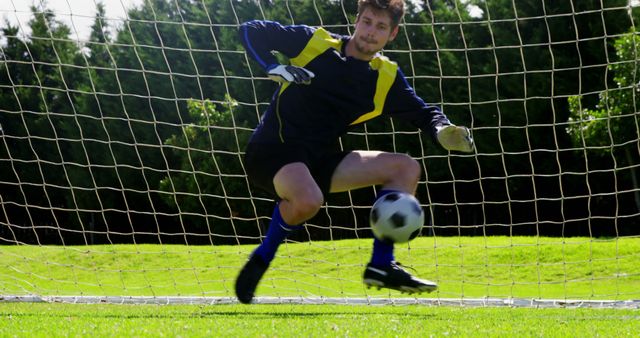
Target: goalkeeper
(333, 82)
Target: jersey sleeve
(260, 38)
(402, 102)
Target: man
(333, 83)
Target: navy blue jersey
(340, 95)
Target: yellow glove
(454, 138)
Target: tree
(610, 131)
(39, 121)
(207, 185)
(540, 52)
(147, 105)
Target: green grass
(502, 267)
(63, 320)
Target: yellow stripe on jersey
(387, 71)
(318, 44)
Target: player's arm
(260, 38)
(403, 102)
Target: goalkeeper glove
(454, 138)
(285, 73)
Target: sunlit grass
(100, 320)
(504, 267)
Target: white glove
(454, 138)
(284, 73)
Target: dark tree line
(136, 135)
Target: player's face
(372, 32)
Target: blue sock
(382, 254)
(276, 234)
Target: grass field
(56, 320)
(496, 267)
(502, 267)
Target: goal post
(122, 138)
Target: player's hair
(395, 8)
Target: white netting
(123, 135)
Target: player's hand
(454, 138)
(286, 73)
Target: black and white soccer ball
(396, 217)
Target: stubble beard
(361, 47)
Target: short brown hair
(395, 8)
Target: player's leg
(300, 200)
(359, 169)
(394, 172)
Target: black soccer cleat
(249, 277)
(396, 278)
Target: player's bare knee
(307, 205)
(408, 168)
(414, 169)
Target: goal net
(123, 128)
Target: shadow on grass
(167, 312)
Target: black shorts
(263, 160)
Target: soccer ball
(396, 217)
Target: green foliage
(613, 122)
(609, 132)
(38, 78)
(138, 121)
(207, 175)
